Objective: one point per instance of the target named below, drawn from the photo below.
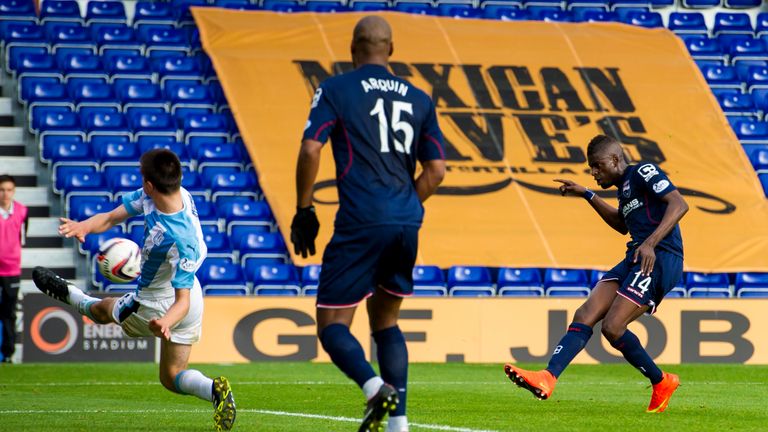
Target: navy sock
(346, 353)
(393, 362)
(570, 345)
(637, 356)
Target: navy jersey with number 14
(379, 126)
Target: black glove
(304, 231)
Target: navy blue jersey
(379, 126)
(641, 208)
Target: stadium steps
(22, 168)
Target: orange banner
(517, 102)
(683, 331)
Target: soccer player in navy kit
(650, 208)
(379, 126)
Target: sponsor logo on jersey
(625, 189)
(316, 97)
(630, 206)
(647, 171)
(660, 186)
(187, 265)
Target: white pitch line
(256, 411)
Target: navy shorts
(355, 262)
(647, 290)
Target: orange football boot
(540, 383)
(662, 392)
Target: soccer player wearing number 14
(379, 126)
(650, 208)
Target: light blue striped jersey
(174, 247)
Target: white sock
(81, 300)
(372, 386)
(397, 424)
(193, 382)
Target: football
(119, 260)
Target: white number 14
(398, 125)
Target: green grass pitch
(288, 397)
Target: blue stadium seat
(93, 94)
(764, 181)
(152, 124)
(53, 119)
(761, 24)
(519, 282)
(97, 123)
(49, 93)
(735, 103)
(77, 178)
(746, 48)
(177, 68)
(721, 77)
(458, 10)
(189, 94)
(68, 151)
(17, 10)
(566, 282)
(136, 233)
(644, 19)
(269, 277)
(205, 125)
(84, 206)
(595, 276)
(35, 63)
(14, 55)
(505, 13)
(114, 35)
(687, 23)
(69, 35)
(105, 12)
(703, 48)
(708, 285)
(750, 131)
(473, 281)
(244, 212)
(759, 157)
(50, 143)
(369, 6)
(153, 12)
(751, 285)
(217, 243)
(742, 4)
(260, 246)
(428, 281)
(752, 72)
(128, 65)
(13, 32)
(206, 212)
(164, 40)
(81, 64)
(94, 240)
(116, 151)
(181, 10)
(700, 4)
(141, 94)
(235, 4)
(416, 8)
(310, 277)
(60, 11)
(220, 276)
(123, 178)
(732, 23)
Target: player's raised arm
(97, 223)
(606, 211)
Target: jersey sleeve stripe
(322, 127)
(437, 144)
(349, 149)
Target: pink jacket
(10, 241)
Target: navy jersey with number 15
(379, 126)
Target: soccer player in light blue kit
(169, 301)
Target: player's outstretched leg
(224, 410)
(540, 383)
(662, 392)
(382, 403)
(51, 284)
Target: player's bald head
(372, 37)
(602, 145)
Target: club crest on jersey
(660, 186)
(647, 171)
(625, 189)
(187, 265)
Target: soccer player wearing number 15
(650, 208)
(379, 126)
